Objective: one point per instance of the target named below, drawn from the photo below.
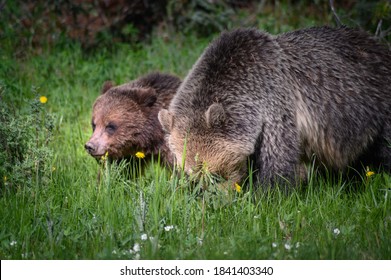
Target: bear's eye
(111, 128)
(93, 126)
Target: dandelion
(238, 187)
(369, 173)
(43, 99)
(104, 157)
(140, 155)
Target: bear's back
(340, 59)
(165, 86)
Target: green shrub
(24, 138)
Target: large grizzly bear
(280, 100)
(124, 119)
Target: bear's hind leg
(385, 148)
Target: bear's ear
(166, 120)
(215, 115)
(145, 97)
(106, 86)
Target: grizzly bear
(124, 119)
(281, 100)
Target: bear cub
(281, 100)
(124, 118)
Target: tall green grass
(76, 214)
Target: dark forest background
(99, 23)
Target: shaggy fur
(124, 119)
(282, 99)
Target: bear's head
(200, 142)
(124, 122)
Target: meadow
(65, 212)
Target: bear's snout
(90, 148)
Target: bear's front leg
(277, 156)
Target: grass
(73, 215)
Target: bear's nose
(89, 147)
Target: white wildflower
(136, 247)
(144, 236)
(288, 246)
(274, 245)
(13, 243)
(168, 228)
(336, 231)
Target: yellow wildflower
(140, 155)
(5, 179)
(43, 99)
(369, 173)
(104, 157)
(238, 187)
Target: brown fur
(124, 118)
(281, 101)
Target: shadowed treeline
(94, 23)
